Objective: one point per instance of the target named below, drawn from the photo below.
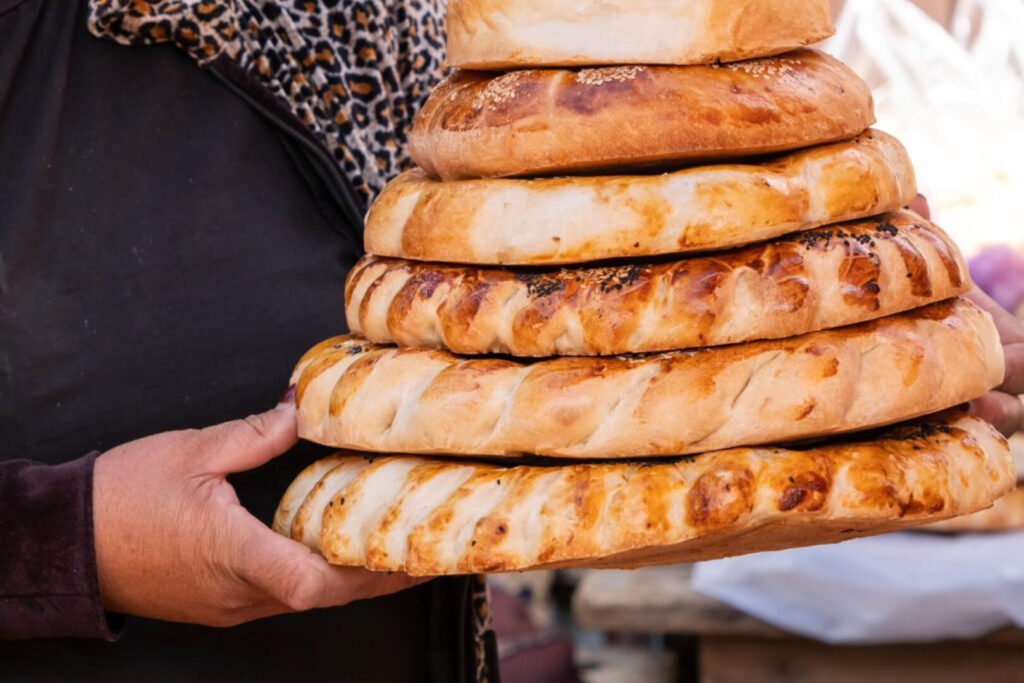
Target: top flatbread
(513, 34)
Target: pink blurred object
(999, 270)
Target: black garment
(163, 264)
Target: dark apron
(169, 247)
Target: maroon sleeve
(48, 582)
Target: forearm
(48, 581)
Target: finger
(1011, 333)
(348, 584)
(1014, 382)
(1003, 411)
(294, 576)
(286, 571)
(1011, 329)
(920, 207)
(353, 584)
(242, 445)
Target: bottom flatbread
(1007, 514)
(433, 517)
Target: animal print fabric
(354, 71)
(484, 645)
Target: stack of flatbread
(652, 263)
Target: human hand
(173, 542)
(1003, 407)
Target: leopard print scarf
(354, 71)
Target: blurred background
(948, 77)
(945, 604)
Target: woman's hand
(173, 542)
(1003, 407)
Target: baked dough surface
(512, 34)
(429, 517)
(479, 124)
(549, 221)
(818, 279)
(355, 394)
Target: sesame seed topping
(765, 68)
(607, 279)
(499, 90)
(618, 74)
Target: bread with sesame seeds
(549, 221)
(430, 517)
(354, 394)
(551, 121)
(808, 281)
(516, 34)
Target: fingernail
(920, 206)
(288, 396)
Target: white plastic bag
(898, 588)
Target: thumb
(296, 577)
(283, 569)
(242, 445)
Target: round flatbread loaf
(433, 517)
(354, 394)
(820, 279)
(587, 218)
(513, 34)
(538, 122)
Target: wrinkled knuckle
(203, 441)
(258, 425)
(305, 589)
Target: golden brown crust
(513, 34)
(1006, 514)
(355, 394)
(586, 218)
(298, 491)
(537, 122)
(820, 279)
(431, 517)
